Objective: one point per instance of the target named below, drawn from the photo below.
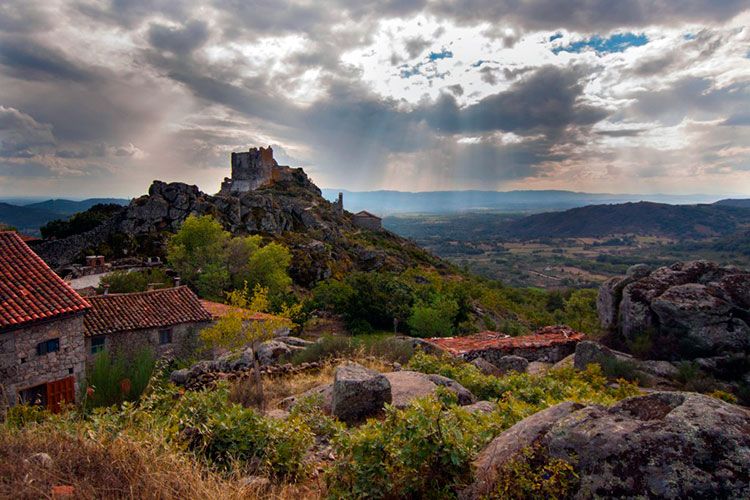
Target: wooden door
(59, 392)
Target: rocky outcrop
(690, 310)
(358, 393)
(662, 445)
(290, 210)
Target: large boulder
(512, 363)
(688, 310)
(509, 445)
(358, 393)
(270, 351)
(662, 445)
(408, 385)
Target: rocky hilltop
(287, 208)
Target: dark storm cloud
(28, 60)
(632, 132)
(593, 15)
(547, 100)
(180, 40)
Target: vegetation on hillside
(80, 222)
(423, 450)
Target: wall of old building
(184, 341)
(371, 223)
(22, 368)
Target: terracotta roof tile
(545, 337)
(118, 312)
(29, 289)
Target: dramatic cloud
(99, 97)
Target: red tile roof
(545, 337)
(219, 310)
(29, 289)
(119, 312)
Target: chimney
(176, 281)
(106, 289)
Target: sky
(99, 98)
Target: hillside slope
(643, 218)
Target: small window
(48, 346)
(165, 337)
(97, 344)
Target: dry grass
(117, 468)
(277, 388)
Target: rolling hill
(643, 218)
(29, 218)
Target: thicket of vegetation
(424, 450)
(80, 222)
(426, 304)
(135, 281)
(212, 261)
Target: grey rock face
(408, 385)
(179, 377)
(508, 364)
(486, 367)
(509, 444)
(322, 392)
(662, 445)
(270, 351)
(358, 393)
(691, 309)
(588, 352)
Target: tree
(200, 246)
(435, 319)
(268, 267)
(239, 251)
(238, 329)
(137, 281)
(580, 311)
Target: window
(165, 337)
(51, 345)
(97, 344)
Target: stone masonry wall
(184, 341)
(22, 368)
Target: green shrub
(423, 451)
(335, 347)
(434, 319)
(117, 378)
(21, 415)
(588, 386)
(138, 281)
(223, 433)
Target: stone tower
(250, 170)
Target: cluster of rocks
(688, 311)
(358, 392)
(230, 365)
(662, 445)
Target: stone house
(366, 220)
(42, 358)
(166, 320)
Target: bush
(21, 415)
(334, 347)
(435, 319)
(422, 451)
(223, 433)
(130, 282)
(535, 475)
(117, 378)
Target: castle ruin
(253, 169)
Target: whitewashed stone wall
(22, 368)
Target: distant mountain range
(644, 218)
(443, 202)
(29, 217)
